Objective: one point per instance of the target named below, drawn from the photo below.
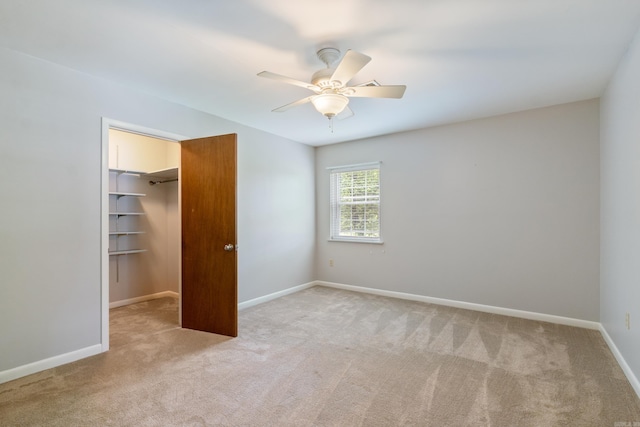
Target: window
(355, 203)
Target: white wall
(501, 211)
(50, 172)
(620, 208)
(131, 151)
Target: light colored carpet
(328, 357)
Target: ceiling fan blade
(345, 114)
(351, 63)
(390, 91)
(293, 104)
(289, 80)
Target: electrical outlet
(627, 320)
(330, 263)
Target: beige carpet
(332, 358)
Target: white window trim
(349, 168)
(353, 240)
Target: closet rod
(162, 182)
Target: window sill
(347, 240)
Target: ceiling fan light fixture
(330, 104)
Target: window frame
(334, 206)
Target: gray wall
(501, 211)
(620, 208)
(50, 172)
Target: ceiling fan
(330, 84)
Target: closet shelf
(126, 213)
(125, 233)
(126, 171)
(122, 194)
(114, 232)
(170, 173)
(127, 252)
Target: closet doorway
(150, 246)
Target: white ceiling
(460, 59)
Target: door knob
(228, 247)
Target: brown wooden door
(209, 270)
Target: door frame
(104, 215)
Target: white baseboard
(250, 303)
(621, 361)
(469, 306)
(143, 298)
(52, 362)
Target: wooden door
(209, 258)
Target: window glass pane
(355, 204)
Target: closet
(144, 222)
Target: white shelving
(116, 232)
(124, 233)
(126, 213)
(162, 176)
(127, 171)
(122, 194)
(127, 252)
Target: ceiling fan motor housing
(322, 78)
